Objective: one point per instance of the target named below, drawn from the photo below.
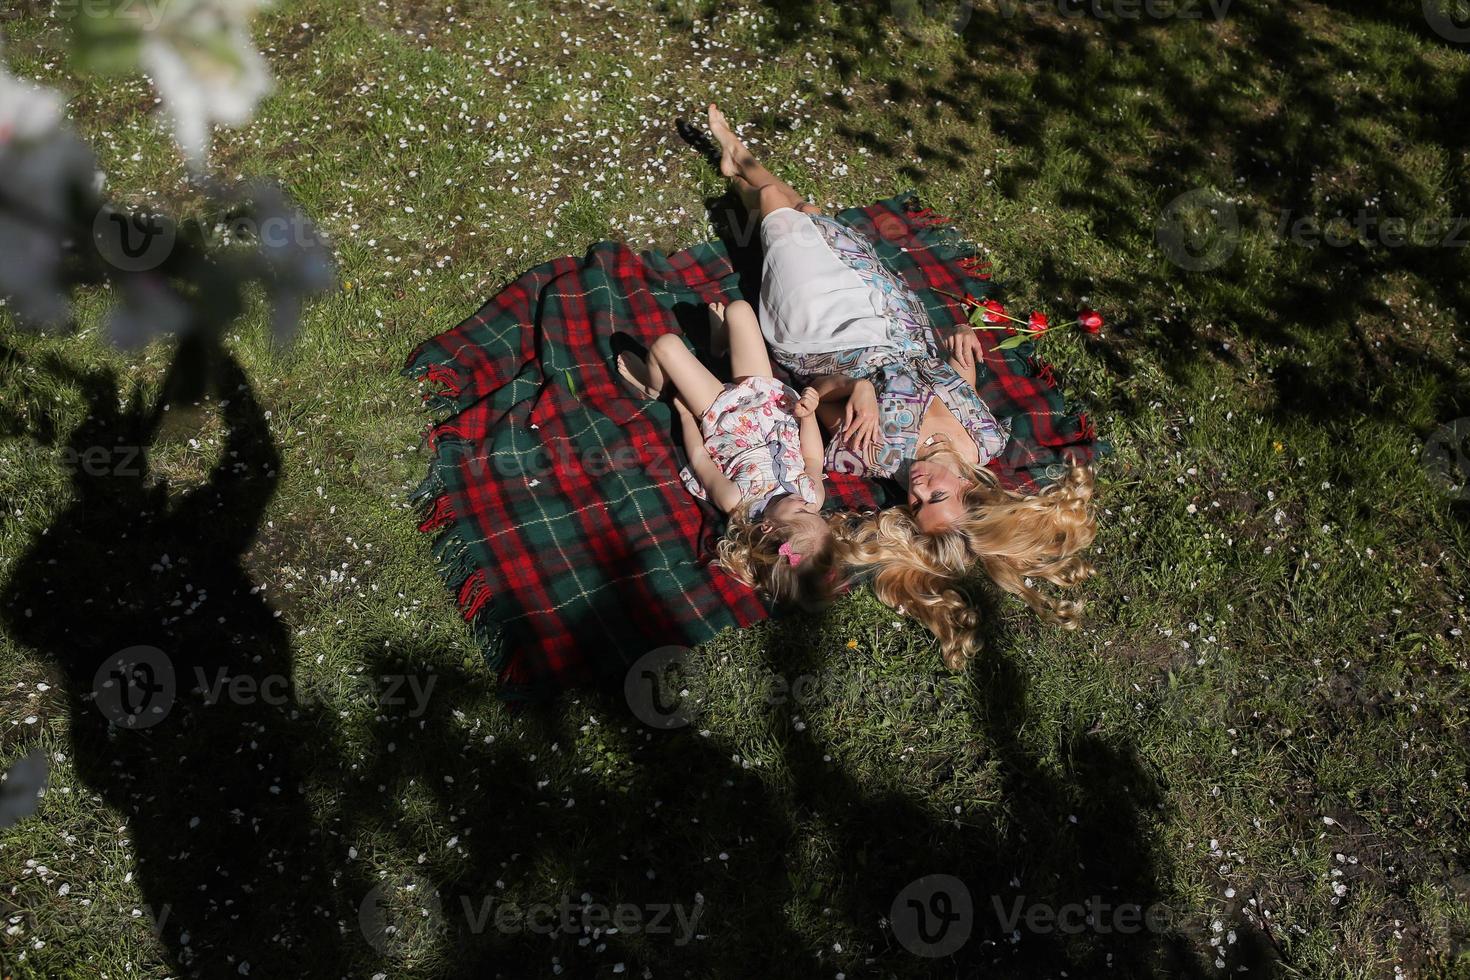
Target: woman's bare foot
(719, 330)
(760, 190)
(734, 156)
(640, 375)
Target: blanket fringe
(452, 555)
(928, 218)
(451, 552)
(439, 515)
(435, 434)
(492, 643)
(976, 268)
(474, 594)
(446, 378)
(944, 236)
(443, 384)
(1086, 431)
(429, 487)
(456, 566)
(1043, 371)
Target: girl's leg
(748, 355)
(760, 190)
(669, 360)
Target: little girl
(755, 451)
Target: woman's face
(936, 494)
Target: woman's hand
(860, 424)
(807, 404)
(963, 347)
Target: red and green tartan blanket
(562, 526)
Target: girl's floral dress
(754, 439)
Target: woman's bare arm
(965, 354)
(833, 387)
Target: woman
(839, 321)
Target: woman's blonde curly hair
(1012, 536)
(751, 552)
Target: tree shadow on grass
(1260, 103)
(582, 814)
(672, 839)
(562, 831)
(1063, 842)
(179, 677)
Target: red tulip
(1090, 321)
(1039, 322)
(994, 312)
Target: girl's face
(801, 516)
(936, 494)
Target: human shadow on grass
(183, 713)
(208, 748)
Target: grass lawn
(1260, 735)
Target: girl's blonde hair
(1012, 536)
(751, 552)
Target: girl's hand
(807, 404)
(860, 424)
(964, 347)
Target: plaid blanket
(562, 527)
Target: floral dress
(754, 439)
(907, 374)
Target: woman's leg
(748, 356)
(760, 190)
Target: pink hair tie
(791, 555)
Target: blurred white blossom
(27, 111)
(203, 62)
(44, 169)
(57, 232)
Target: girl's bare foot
(639, 376)
(719, 330)
(733, 154)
